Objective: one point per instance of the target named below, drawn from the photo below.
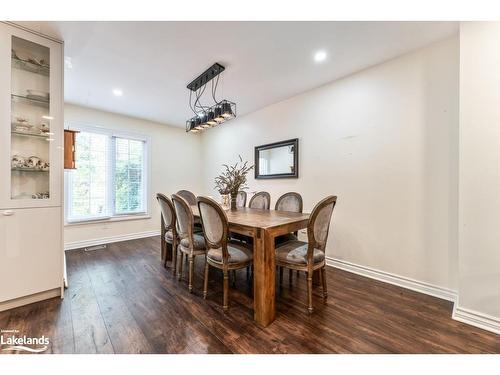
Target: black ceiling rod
(206, 77)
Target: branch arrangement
(233, 178)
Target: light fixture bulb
(226, 110)
(218, 114)
(117, 92)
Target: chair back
(167, 211)
(319, 224)
(188, 196)
(261, 200)
(291, 202)
(184, 216)
(241, 199)
(215, 227)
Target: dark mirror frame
(290, 142)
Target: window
(110, 179)
(128, 186)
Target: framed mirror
(277, 160)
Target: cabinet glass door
(31, 134)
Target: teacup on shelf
(34, 162)
(18, 161)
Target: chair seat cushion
(237, 254)
(169, 236)
(198, 242)
(295, 252)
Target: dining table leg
(264, 277)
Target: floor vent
(94, 248)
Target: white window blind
(88, 185)
(110, 176)
(129, 176)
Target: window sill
(108, 220)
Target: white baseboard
(477, 319)
(105, 240)
(21, 301)
(404, 282)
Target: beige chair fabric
(261, 200)
(241, 199)
(188, 196)
(291, 202)
(237, 254)
(296, 252)
(212, 223)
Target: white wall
(175, 164)
(385, 142)
(479, 202)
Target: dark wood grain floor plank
(89, 329)
(123, 300)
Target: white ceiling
(266, 62)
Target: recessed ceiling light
(117, 92)
(320, 56)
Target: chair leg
(290, 276)
(225, 305)
(205, 282)
(323, 279)
(281, 275)
(191, 270)
(180, 265)
(298, 274)
(309, 292)
(164, 247)
(174, 259)
(234, 278)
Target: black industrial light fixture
(208, 116)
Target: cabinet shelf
(28, 100)
(31, 170)
(30, 67)
(28, 134)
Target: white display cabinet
(31, 164)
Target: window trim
(110, 193)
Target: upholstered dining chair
(221, 253)
(291, 202)
(309, 256)
(191, 244)
(191, 199)
(241, 199)
(168, 229)
(261, 200)
(188, 196)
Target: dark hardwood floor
(121, 300)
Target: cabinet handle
(8, 213)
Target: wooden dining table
(263, 226)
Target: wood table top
(256, 218)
